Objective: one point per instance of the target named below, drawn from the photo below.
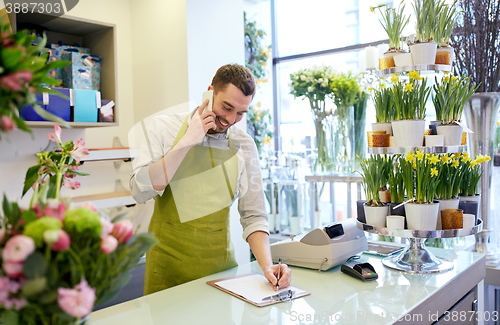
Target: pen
(279, 271)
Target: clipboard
(299, 293)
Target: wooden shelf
(111, 154)
(106, 200)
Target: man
(196, 165)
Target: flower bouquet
(314, 84)
(58, 261)
(23, 71)
(260, 127)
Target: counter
(335, 298)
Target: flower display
(259, 124)
(420, 176)
(393, 21)
(23, 73)
(375, 172)
(384, 107)
(471, 169)
(59, 261)
(450, 176)
(409, 97)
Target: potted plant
(384, 109)
(409, 98)
(372, 171)
(360, 125)
(472, 174)
(345, 93)
(423, 51)
(313, 84)
(449, 181)
(450, 97)
(396, 188)
(393, 21)
(445, 22)
(420, 181)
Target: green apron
(191, 218)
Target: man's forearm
(259, 244)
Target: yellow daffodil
(408, 87)
(259, 104)
(382, 85)
(446, 79)
(464, 159)
(434, 159)
(457, 155)
(394, 78)
(455, 163)
(445, 159)
(415, 75)
(372, 9)
(487, 158)
(498, 123)
(454, 78)
(473, 163)
(420, 154)
(434, 171)
(410, 156)
(414, 165)
(267, 140)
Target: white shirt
(161, 133)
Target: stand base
(417, 259)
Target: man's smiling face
(229, 106)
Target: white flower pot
(403, 60)
(452, 134)
(421, 216)
(383, 126)
(445, 204)
(375, 216)
(434, 140)
(408, 133)
(445, 55)
(423, 53)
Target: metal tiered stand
(415, 258)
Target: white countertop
(336, 298)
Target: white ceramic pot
(421, 216)
(403, 60)
(408, 133)
(384, 126)
(423, 53)
(445, 204)
(452, 134)
(434, 140)
(445, 55)
(375, 216)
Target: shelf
(419, 67)
(106, 200)
(404, 150)
(76, 125)
(111, 154)
(409, 233)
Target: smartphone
(210, 95)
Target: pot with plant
(396, 188)
(472, 173)
(393, 21)
(384, 109)
(423, 51)
(446, 20)
(409, 98)
(345, 93)
(420, 181)
(449, 181)
(450, 97)
(372, 171)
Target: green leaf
(31, 177)
(11, 57)
(34, 287)
(2, 70)
(7, 207)
(53, 276)
(51, 117)
(58, 64)
(10, 317)
(48, 298)
(35, 266)
(28, 216)
(77, 172)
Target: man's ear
(210, 87)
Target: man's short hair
(235, 74)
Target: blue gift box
(85, 105)
(78, 58)
(29, 114)
(82, 77)
(71, 47)
(60, 106)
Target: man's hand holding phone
(201, 122)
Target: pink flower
(7, 124)
(109, 244)
(54, 209)
(79, 151)
(15, 80)
(55, 136)
(71, 184)
(70, 175)
(106, 227)
(13, 269)
(18, 303)
(123, 230)
(38, 211)
(57, 239)
(77, 302)
(18, 248)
